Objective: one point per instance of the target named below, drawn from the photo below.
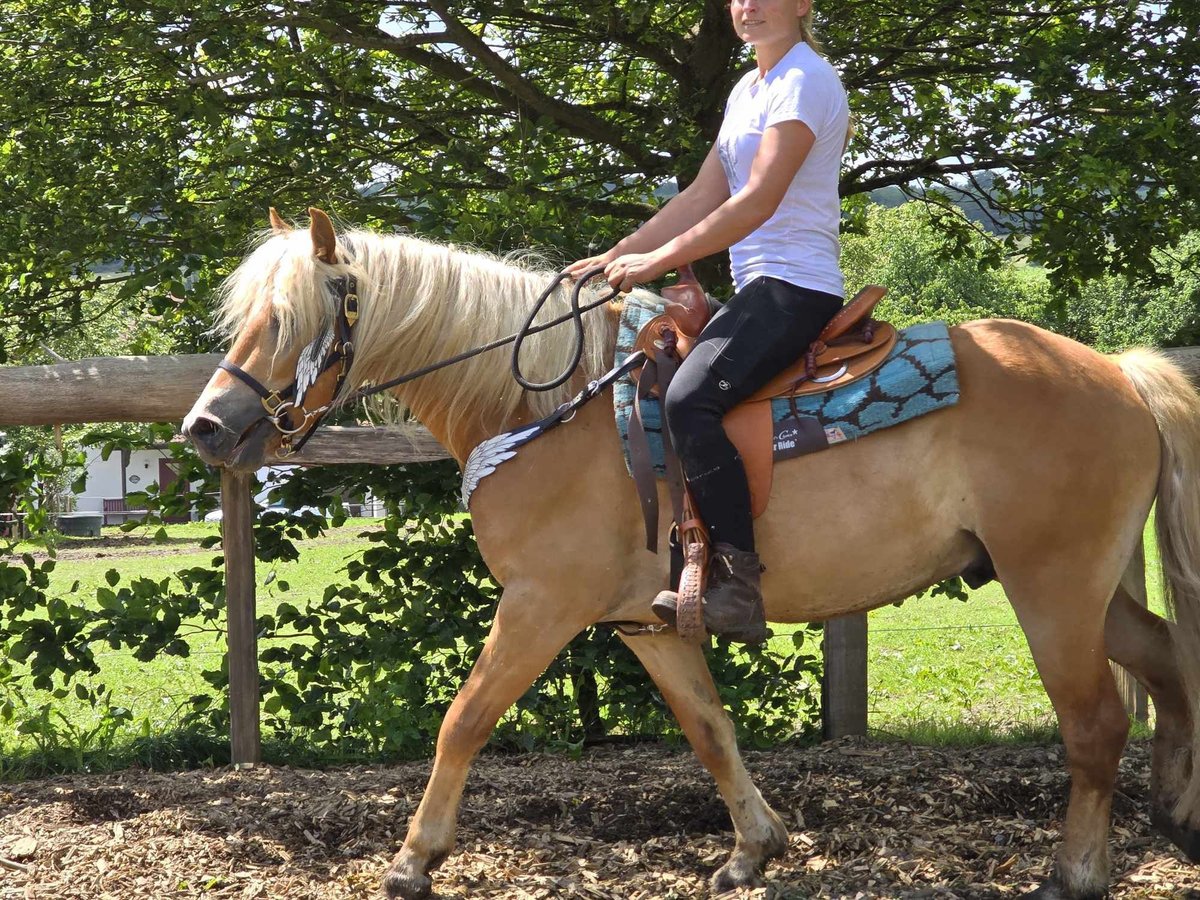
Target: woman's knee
(689, 409)
(679, 402)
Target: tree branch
(572, 117)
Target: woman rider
(767, 192)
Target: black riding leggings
(755, 336)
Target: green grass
(942, 670)
(155, 690)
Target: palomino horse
(1048, 466)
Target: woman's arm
(783, 149)
(707, 192)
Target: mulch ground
(867, 820)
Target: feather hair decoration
(308, 366)
(487, 456)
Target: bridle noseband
(332, 347)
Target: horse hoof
(1186, 838)
(401, 884)
(1052, 890)
(1048, 891)
(739, 872)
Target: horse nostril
(201, 428)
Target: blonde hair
(809, 35)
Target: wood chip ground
(866, 820)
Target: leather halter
(326, 350)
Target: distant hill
(966, 198)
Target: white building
(109, 481)
(124, 472)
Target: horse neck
(461, 437)
(459, 413)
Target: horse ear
(278, 226)
(323, 238)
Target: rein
(518, 337)
(334, 347)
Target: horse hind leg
(524, 639)
(681, 673)
(1141, 641)
(1062, 611)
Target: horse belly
(866, 523)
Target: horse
(1046, 470)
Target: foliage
(1113, 312)
(377, 661)
(905, 250)
(369, 668)
(109, 325)
(142, 142)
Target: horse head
(290, 309)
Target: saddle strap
(674, 466)
(640, 462)
(655, 376)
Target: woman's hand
(576, 269)
(631, 269)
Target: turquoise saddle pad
(917, 377)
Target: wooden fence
(163, 389)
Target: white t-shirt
(799, 243)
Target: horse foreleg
(681, 673)
(1141, 642)
(525, 638)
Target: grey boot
(733, 606)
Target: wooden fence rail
(163, 389)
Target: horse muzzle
(219, 445)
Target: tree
(904, 249)
(153, 133)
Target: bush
(930, 276)
(384, 649)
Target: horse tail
(1175, 404)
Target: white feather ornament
(487, 456)
(308, 366)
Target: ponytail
(808, 35)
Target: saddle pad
(918, 377)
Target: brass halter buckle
(272, 403)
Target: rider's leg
(763, 329)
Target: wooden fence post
(844, 686)
(1137, 704)
(237, 538)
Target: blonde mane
(421, 302)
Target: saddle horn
(687, 304)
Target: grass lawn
(939, 670)
(154, 690)
(944, 669)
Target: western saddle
(850, 347)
